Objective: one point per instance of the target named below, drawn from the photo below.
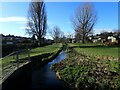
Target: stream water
(42, 78)
(45, 78)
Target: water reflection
(59, 58)
(46, 78)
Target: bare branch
(56, 34)
(37, 20)
(84, 20)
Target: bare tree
(84, 20)
(56, 34)
(37, 20)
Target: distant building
(111, 39)
(96, 39)
(11, 39)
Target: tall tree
(56, 34)
(84, 20)
(37, 20)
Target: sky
(13, 16)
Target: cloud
(99, 30)
(24, 27)
(21, 22)
(13, 19)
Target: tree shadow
(22, 77)
(40, 60)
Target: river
(46, 78)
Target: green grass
(46, 49)
(94, 50)
(111, 51)
(10, 61)
(104, 53)
(33, 52)
(81, 44)
(83, 71)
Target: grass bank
(40, 55)
(46, 49)
(33, 52)
(47, 55)
(83, 71)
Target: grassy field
(97, 50)
(104, 53)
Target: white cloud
(99, 30)
(48, 36)
(24, 27)
(13, 19)
(21, 22)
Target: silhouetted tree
(37, 20)
(83, 21)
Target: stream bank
(83, 72)
(36, 75)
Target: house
(96, 39)
(111, 39)
(11, 39)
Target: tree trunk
(83, 39)
(39, 41)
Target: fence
(12, 62)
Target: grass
(10, 61)
(96, 50)
(33, 52)
(104, 53)
(81, 44)
(45, 49)
(83, 70)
